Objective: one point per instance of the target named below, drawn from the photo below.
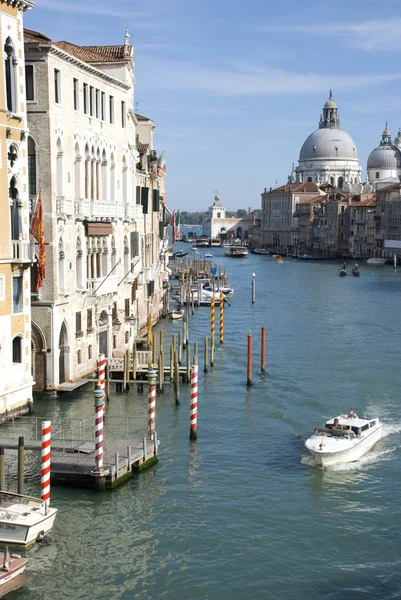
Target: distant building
(388, 221)
(16, 252)
(218, 225)
(384, 162)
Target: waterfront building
(16, 252)
(329, 154)
(384, 162)
(388, 221)
(104, 262)
(218, 225)
(279, 229)
(362, 211)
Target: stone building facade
(102, 210)
(15, 248)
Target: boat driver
(336, 424)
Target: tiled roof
(298, 188)
(310, 199)
(142, 148)
(393, 186)
(35, 36)
(95, 54)
(141, 118)
(369, 202)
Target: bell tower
(217, 210)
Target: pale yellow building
(15, 248)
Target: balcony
(101, 286)
(134, 211)
(22, 251)
(65, 206)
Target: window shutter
(145, 199)
(134, 244)
(138, 194)
(156, 206)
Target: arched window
(15, 216)
(126, 256)
(79, 265)
(61, 266)
(112, 179)
(59, 169)
(104, 176)
(32, 185)
(331, 180)
(125, 175)
(17, 349)
(98, 165)
(10, 64)
(309, 179)
(93, 175)
(113, 253)
(77, 172)
(12, 155)
(79, 357)
(104, 258)
(87, 172)
(340, 182)
(89, 351)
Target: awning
(99, 228)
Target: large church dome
(329, 143)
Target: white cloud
(170, 75)
(379, 35)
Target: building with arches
(218, 225)
(15, 248)
(100, 287)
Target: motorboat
(260, 251)
(343, 439)
(224, 290)
(376, 262)
(278, 258)
(235, 250)
(24, 520)
(12, 567)
(177, 314)
(207, 255)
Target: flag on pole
(38, 232)
(177, 226)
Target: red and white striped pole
(99, 395)
(151, 404)
(193, 415)
(45, 467)
(101, 368)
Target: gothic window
(79, 265)
(61, 266)
(10, 72)
(98, 165)
(125, 174)
(77, 172)
(32, 166)
(104, 176)
(87, 172)
(112, 178)
(340, 182)
(113, 253)
(15, 216)
(12, 155)
(126, 256)
(59, 169)
(331, 180)
(93, 180)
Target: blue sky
(236, 86)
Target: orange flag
(38, 232)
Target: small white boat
(376, 262)
(207, 255)
(24, 520)
(343, 439)
(177, 314)
(224, 290)
(11, 570)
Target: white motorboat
(177, 314)
(235, 250)
(13, 565)
(24, 520)
(224, 290)
(376, 262)
(343, 439)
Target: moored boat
(343, 439)
(376, 262)
(224, 290)
(11, 572)
(24, 520)
(260, 251)
(177, 314)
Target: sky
(236, 86)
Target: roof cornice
(87, 67)
(20, 4)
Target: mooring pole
(151, 404)
(221, 318)
(249, 367)
(263, 350)
(2, 470)
(45, 466)
(98, 393)
(253, 288)
(193, 414)
(21, 451)
(206, 360)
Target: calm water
(243, 513)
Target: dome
(385, 157)
(329, 143)
(397, 141)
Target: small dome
(329, 143)
(385, 157)
(397, 141)
(330, 102)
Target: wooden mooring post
(206, 360)
(263, 349)
(249, 362)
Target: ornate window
(15, 216)
(32, 166)
(10, 64)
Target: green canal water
(244, 513)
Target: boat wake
(370, 458)
(389, 429)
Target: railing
(101, 285)
(22, 251)
(65, 206)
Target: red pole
(45, 470)
(249, 369)
(263, 350)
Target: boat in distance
(24, 520)
(376, 262)
(235, 250)
(177, 314)
(343, 439)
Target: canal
(243, 512)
